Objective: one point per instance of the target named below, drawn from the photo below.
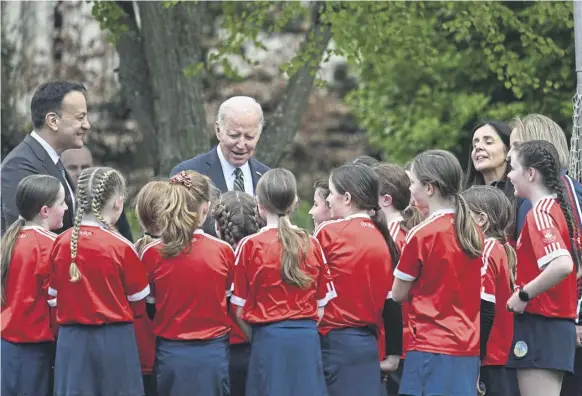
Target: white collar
(47, 147)
(227, 167)
(91, 220)
(442, 212)
(34, 227)
(357, 216)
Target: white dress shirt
(229, 175)
(55, 157)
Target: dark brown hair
(237, 216)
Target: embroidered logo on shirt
(549, 236)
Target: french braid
(98, 197)
(82, 206)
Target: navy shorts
(433, 374)
(542, 343)
(499, 381)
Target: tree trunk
(171, 40)
(282, 126)
(136, 89)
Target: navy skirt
(286, 360)
(191, 368)
(533, 347)
(238, 368)
(351, 363)
(97, 361)
(26, 368)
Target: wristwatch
(523, 296)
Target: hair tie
(182, 178)
(281, 214)
(151, 235)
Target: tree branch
(282, 126)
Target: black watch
(523, 296)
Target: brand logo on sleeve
(549, 236)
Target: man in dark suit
(59, 117)
(230, 165)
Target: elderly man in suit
(59, 118)
(230, 165)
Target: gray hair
(239, 105)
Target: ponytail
(379, 219)
(573, 230)
(294, 245)
(411, 217)
(466, 229)
(511, 262)
(8, 243)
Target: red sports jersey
(112, 276)
(398, 234)
(190, 289)
(496, 288)
(25, 314)
(260, 290)
(543, 238)
(445, 298)
(361, 268)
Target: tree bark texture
(283, 124)
(172, 39)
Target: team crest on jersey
(85, 233)
(520, 349)
(549, 236)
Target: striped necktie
(239, 181)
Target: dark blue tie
(239, 181)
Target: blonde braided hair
(82, 204)
(237, 215)
(90, 199)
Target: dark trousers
(572, 384)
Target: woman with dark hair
(487, 164)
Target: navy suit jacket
(209, 164)
(29, 158)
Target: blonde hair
(96, 186)
(147, 209)
(277, 193)
(493, 202)
(539, 127)
(179, 209)
(237, 216)
(32, 194)
(442, 170)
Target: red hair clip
(182, 178)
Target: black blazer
(29, 158)
(209, 164)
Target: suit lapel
(51, 169)
(255, 173)
(215, 170)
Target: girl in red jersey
(147, 213)
(491, 210)
(394, 200)
(281, 288)
(26, 334)
(236, 216)
(360, 254)
(440, 269)
(544, 339)
(96, 274)
(190, 273)
(320, 210)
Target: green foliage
(110, 16)
(301, 217)
(429, 70)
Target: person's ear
(52, 121)
(430, 190)
(44, 212)
(348, 199)
(217, 130)
(482, 220)
(386, 200)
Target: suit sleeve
(13, 171)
